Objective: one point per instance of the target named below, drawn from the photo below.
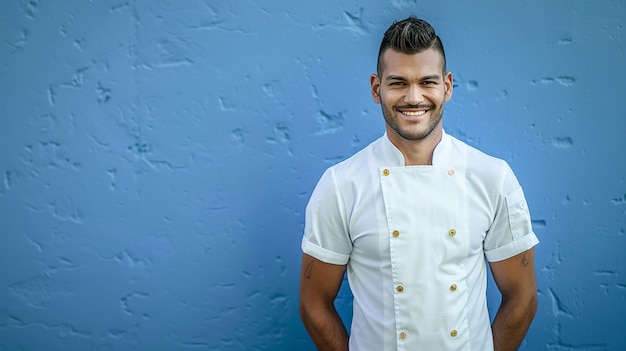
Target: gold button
(400, 288)
(402, 335)
(451, 172)
(385, 172)
(395, 233)
(452, 232)
(453, 287)
(454, 333)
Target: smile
(414, 113)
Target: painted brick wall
(156, 158)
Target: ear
(447, 85)
(375, 88)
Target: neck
(417, 152)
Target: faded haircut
(410, 36)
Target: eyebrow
(395, 77)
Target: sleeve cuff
(516, 247)
(322, 254)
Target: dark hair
(410, 36)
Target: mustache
(420, 106)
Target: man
(414, 217)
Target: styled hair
(410, 36)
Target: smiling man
(415, 217)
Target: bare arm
(515, 278)
(319, 285)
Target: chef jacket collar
(441, 155)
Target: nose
(413, 95)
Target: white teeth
(414, 113)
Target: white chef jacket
(415, 238)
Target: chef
(414, 218)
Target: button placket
(398, 288)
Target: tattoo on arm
(524, 262)
(308, 270)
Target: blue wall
(156, 158)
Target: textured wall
(156, 158)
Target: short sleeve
(326, 234)
(511, 231)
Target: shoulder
(476, 157)
(482, 168)
(353, 166)
(339, 178)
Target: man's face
(412, 90)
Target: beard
(413, 132)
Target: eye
(429, 82)
(397, 83)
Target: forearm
(512, 322)
(325, 328)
